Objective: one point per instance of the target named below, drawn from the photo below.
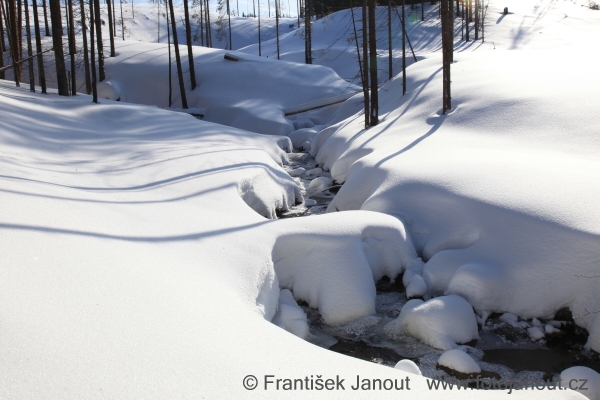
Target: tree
(2, 44)
(86, 61)
(374, 120)
(188, 38)
(13, 37)
(447, 50)
(61, 72)
(308, 32)
(277, 25)
(389, 24)
(93, 52)
(38, 48)
(98, 23)
(29, 49)
(366, 63)
(403, 23)
(72, 48)
(259, 41)
(177, 57)
(46, 19)
(111, 28)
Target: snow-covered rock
(416, 287)
(297, 172)
(575, 377)
(319, 185)
(290, 316)
(459, 361)
(408, 366)
(302, 135)
(442, 322)
(535, 333)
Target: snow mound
(575, 377)
(290, 316)
(408, 366)
(334, 265)
(442, 322)
(459, 361)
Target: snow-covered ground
(142, 257)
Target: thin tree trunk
(86, 61)
(20, 28)
(229, 22)
(423, 10)
(373, 65)
(47, 27)
(403, 23)
(169, 48)
(447, 48)
(11, 28)
(158, 23)
(366, 63)
(363, 78)
(2, 44)
(466, 12)
(72, 48)
(188, 38)
(177, 57)
(277, 26)
(98, 22)
(29, 49)
(114, 25)
(308, 9)
(61, 72)
(122, 21)
(208, 28)
(110, 29)
(390, 60)
(259, 41)
(93, 53)
(38, 47)
(476, 19)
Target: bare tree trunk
(122, 21)
(229, 22)
(403, 23)
(308, 9)
(114, 25)
(86, 61)
(466, 12)
(169, 48)
(389, 23)
(259, 41)
(447, 48)
(13, 33)
(373, 64)
(366, 63)
(177, 57)
(110, 29)
(38, 47)
(2, 44)
(72, 48)
(201, 3)
(208, 28)
(98, 23)
(277, 26)
(188, 38)
(476, 19)
(423, 10)
(20, 28)
(363, 77)
(46, 19)
(61, 72)
(93, 53)
(29, 49)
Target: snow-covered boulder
(318, 185)
(408, 366)
(442, 322)
(458, 360)
(290, 316)
(302, 135)
(573, 378)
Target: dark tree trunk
(178, 58)
(11, 26)
(366, 63)
(122, 21)
(403, 23)
(169, 49)
(38, 48)
(93, 53)
(447, 49)
(476, 19)
(277, 26)
(86, 61)
(98, 23)
(20, 28)
(114, 18)
(188, 38)
(61, 72)
(423, 10)
(373, 65)
(308, 31)
(229, 23)
(110, 29)
(389, 23)
(466, 12)
(46, 26)
(259, 41)
(208, 28)
(2, 43)
(201, 21)
(29, 49)
(72, 48)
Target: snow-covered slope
(499, 195)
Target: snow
(442, 322)
(500, 194)
(290, 315)
(460, 361)
(408, 366)
(535, 333)
(576, 376)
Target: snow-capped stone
(535, 333)
(290, 316)
(416, 287)
(578, 373)
(302, 135)
(305, 146)
(536, 322)
(297, 172)
(441, 322)
(408, 366)
(313, 172)
(459, 361)
(513, 320)
(550, 329)
(309, 202)
(319, 185)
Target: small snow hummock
(535, 333)
(297, 172)
(290, 316)
(460, 361)
(416, 287)
(513, 320)
(408, 366)
(579, 374)
(318, 185)
(441, 322)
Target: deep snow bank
(250, 93)
(132, 268)
(500, 195)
